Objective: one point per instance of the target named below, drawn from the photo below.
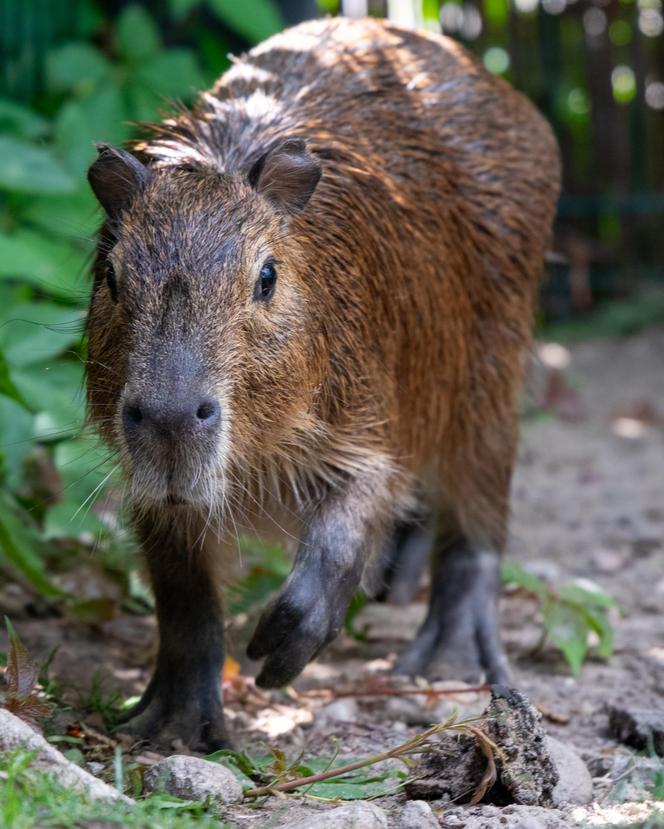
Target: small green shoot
(29, 798)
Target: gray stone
(358, 815)
(16, 734)
(511, 817)
(575, 785)
(341, 710)
(416, 814)
(193, 778)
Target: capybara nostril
(209, 412)
(132, 415)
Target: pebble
(416, 814)
(192, 778)
(575, 785)
(358, 815)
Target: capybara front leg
(309, 612)
(183, 699)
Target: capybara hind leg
(459, 638)
(400, 565)
(183, 699)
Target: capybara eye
(112, 282)
(266, 282)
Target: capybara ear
(116, 177)
(286, 175)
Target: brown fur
(392, 353)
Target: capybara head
(201, 318)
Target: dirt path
(588, 504)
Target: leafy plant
(21, 697)
(332, 779)
(570, 613)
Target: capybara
(313, 298)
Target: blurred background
(77, 71)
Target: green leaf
(83, 464)
(136, 34)
(22, 670)
(16, 433)
(7, 386)
(36, 331)
(75, 216)
(85, 467)
(266, 567)
(25, 168)
(55, 391)
(243, 766)
(20, 546)
(253, 19)
(76, 67)
(181, 8)
(575, 594)
(73, 519)
(512, 573)
(55, 266)
(174, 73)
(358, 785)
(19, 120)
(567, 628)
(355, 785)
(82, 123)
(598, 621)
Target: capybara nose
(171, 415)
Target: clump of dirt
(455, 768)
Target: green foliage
(30, 798)
(268, 769)
(618, 318)
(570, 615)
(51, 469)
(266, 566)
(254, 20)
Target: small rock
(358, 815)
(341, 710)
(638, 727)
(16, 734)
(193, 778)
(416, 814)
(510, 817)
(453, 820)
(575, 785)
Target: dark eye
(266, 282)
(111, 281)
